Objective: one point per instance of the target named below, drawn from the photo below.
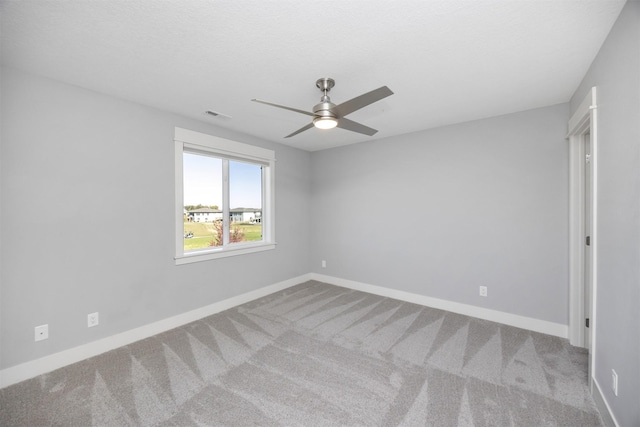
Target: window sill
(209, 254)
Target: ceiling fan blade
(361, 101)
(355, 127)
(302, 129)
(308, 113)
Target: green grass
(200, 228)
(205, 232)
(252, 232)
(197, 243)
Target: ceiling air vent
(216, 114)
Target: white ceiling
(447, 61)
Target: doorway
(583, 226)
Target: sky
(203, 182)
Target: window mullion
(226, 210)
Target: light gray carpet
(319, 355)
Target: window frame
(195, 142)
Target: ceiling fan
(327, 115)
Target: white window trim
(191, 140)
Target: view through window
(204, 207)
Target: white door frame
(583, 122)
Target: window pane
(202, 196)
(245, 201)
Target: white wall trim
(581, 116)
(606, 413)
(523, 322)
(33, 368)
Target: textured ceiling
(447, 61)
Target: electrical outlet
(92, 319)
(324, 264)
(483, 291)
(614, 382)
(42, 332)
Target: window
(224, 197)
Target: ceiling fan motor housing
(323, 109)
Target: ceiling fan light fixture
(325, 122)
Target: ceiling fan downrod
(325, 85)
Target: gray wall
(443, 211)
(79, 170)
(616, 74)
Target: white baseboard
(27, 370)
(537, 325)
(603, 406)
